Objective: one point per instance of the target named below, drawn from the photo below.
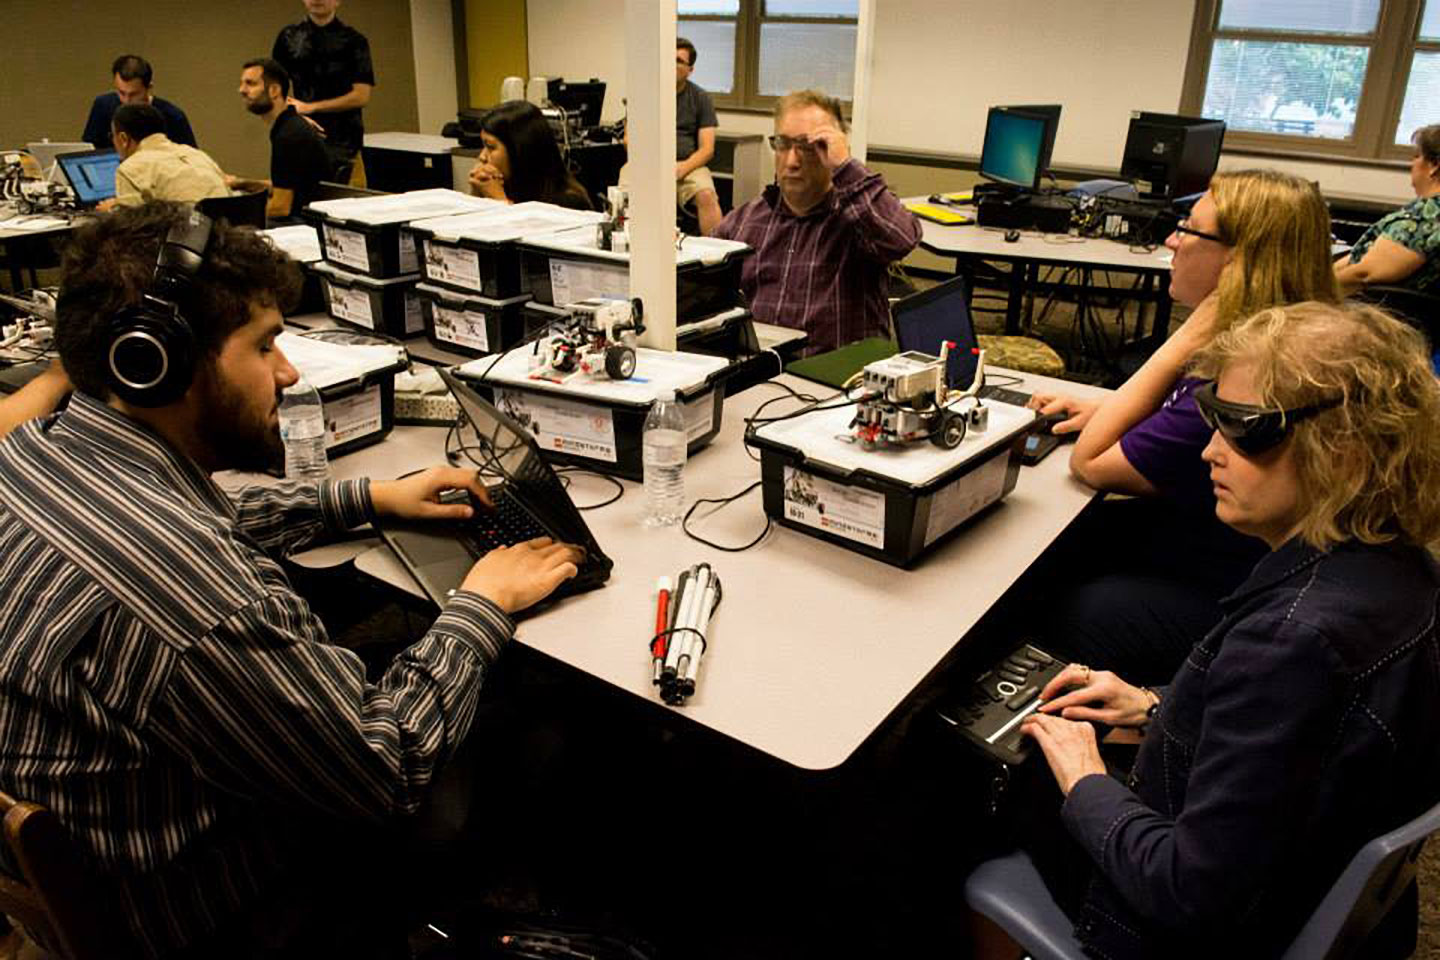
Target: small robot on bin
(906, 398)
(597, 338)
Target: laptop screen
(925, 320)
(91, 175)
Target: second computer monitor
(1018, 142)
(1171, 156)
(585, 99)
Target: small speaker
(512, 88)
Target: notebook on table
(529, 501)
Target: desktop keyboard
(1013, 397)
(505, 525)
(988, 714)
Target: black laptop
(529, 501)
(925, 320)
(91, 175)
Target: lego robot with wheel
(906, 398)
(597, 339)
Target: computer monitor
(584, 99)
(1051, 113)
(1014, 150)
(926, 320)
(1171, 157)
(91, 174)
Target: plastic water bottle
(663, 445)
(302, 429)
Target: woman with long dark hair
(519, 160)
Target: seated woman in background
(1303, 725)
(1154, 568)
(520, 160)
(1403, 247)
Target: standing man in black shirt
(133, 78)
(298, 161)
(329, 65)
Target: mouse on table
(1012, 235)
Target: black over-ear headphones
(151, 358)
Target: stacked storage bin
(370, 266)
(473, 291)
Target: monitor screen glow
(1014, 145)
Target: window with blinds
(1346, 77)
(753, 51)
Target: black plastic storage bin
(366, 235)
(470, 324)
(569, 266)
(386, 306)
(702, 403)
(359, 411)
(878, 515)
(476, 252)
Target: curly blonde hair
(1369, 469)
(1279, 231)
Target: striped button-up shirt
(171, 698)
(825, 272)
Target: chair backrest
(1365, 893)
(241, 209)
(1419, 309)
(55, 897)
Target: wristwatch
(1154, 709)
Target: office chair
(1421, 310)
(1008, 890)
(55, 899)
(240, 209)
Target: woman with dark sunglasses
(1303, 725)
(1255, 239)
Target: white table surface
(814, 646)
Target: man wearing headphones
(162, 688)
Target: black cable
(619, 487)
(722, 502)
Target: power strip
(426, 409)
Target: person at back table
(153, 167)
(825, 233)
(133, 78)
(237, 782)
(519, 160)
(332, 77)
(298, 161)
(1403, 247)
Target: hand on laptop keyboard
(418, 496)
(521, 576)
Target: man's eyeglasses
(1184, 227)
(782, 144)
(681, 62)
(1250, 429)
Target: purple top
(826, 272)
(1165, 448)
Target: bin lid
(410, 142)
(456, 296)
(506, 224)
(301, 242)
(350, 277)
(682, 372)
(325, 364)
(704, 251)
(820, 436)
(403, 207)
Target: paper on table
(326, 364)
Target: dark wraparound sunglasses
(1250, 429)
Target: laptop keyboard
(505, 525)
(1013, 397)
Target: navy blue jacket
(102, 111)
(1303, 726)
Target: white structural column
(650, 85)
(860, 97)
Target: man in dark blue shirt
(133, 77)
(330, 70)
